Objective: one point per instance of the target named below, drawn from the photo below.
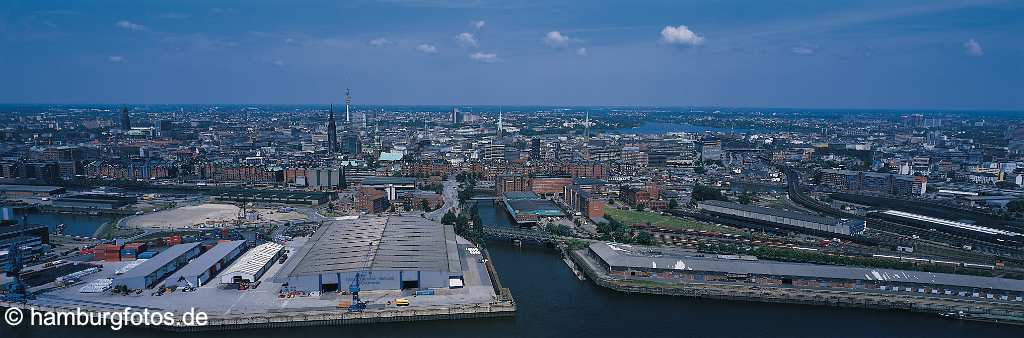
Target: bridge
(508, 233)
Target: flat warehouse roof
(203, 263)
(254, 260)
(379, 243)
(539, 207)
(622, 255)
(31, 188)
(775, 212)
(159, 260)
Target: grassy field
(633, 217)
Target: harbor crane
(15, 290)
(358, 305)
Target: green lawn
(633, 217)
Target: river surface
(553, 303)
(74, 224)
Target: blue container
(427, 292)
(147, 255)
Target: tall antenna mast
(348, 101)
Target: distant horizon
(498, 106)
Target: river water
(74, 224)
(553, 303)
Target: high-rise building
(332, 132)
(351, 144)
(126, 122)
(711, 150)
(535, 149)
(457, 116)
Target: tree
(639, 207)
(1006, 185)
(449, 218)
(1015, 206)
(672, 204)
(745, 199)
(705, 193)
(644, 238)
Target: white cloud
(802, 50)
(484, 57)
(381, 42)
(973, 48)
(427, 48)
(556, 39)
(466, 40)
(479, 24)
(277, 63)
(116, 59)
(131, 25)
(680, 35)
(582, 51)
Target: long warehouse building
(786, 219)
(388, 253)
(251, 266)
(668, 265)
(150, 272)
(204, 268)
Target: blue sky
(835, 54)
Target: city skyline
(944, 56)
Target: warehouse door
(410, 284)
(330, 287)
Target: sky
(756, 53)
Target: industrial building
(251, 266)
(150, 272)
(274, 196)
(583, 201)
(204, 268)
(663, 264)
(381, 182)
(826, 226)
(95, 201)
(387, 253)
(528, 207)
(323, 178)
(29, 191)
(892, 184)
(15, 231)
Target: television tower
(348, 101)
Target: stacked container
(173, 240)
(108, 252)
(131, 250)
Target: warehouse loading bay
(270, 293)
